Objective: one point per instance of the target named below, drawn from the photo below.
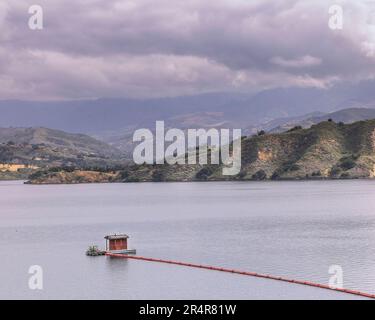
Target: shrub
(261, 133)
(294, 167)
(259, 175)
(36, 175)
(158, 176)
(124, 174)
(67, 169)
(204, 173)
(93, 251)
(334, 171)
(275, 176)
(347, 164)
(289, 166)
(242, 174)
(132, 179)
(295, 128)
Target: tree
(242, 174)
(124, 174)
(334, 171)
(316, 174)
(345, 175)
(275, 176)
(347, 164)
(259, 175)
(295, 128)
(158, 176)
(204, 173)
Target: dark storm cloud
(154, 48)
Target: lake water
(291, 229)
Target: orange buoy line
(246, 273)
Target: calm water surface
(293, 229)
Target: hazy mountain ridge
(123, 140)
(98, 116)
(207, 120)
(346, 116)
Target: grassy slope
(45, 148)
(57, 139)
(326, 150)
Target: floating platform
(123, 251)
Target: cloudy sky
(149, 48)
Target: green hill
(326, 150)
(25, 150)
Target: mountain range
(113, 120)
(103, 115)
(26, 150)
(99, 131)
(305, 121)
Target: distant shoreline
(196, 181)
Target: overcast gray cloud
(147, 48)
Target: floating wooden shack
(118, 243)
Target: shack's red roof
(116, 236)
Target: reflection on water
(294, 229)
